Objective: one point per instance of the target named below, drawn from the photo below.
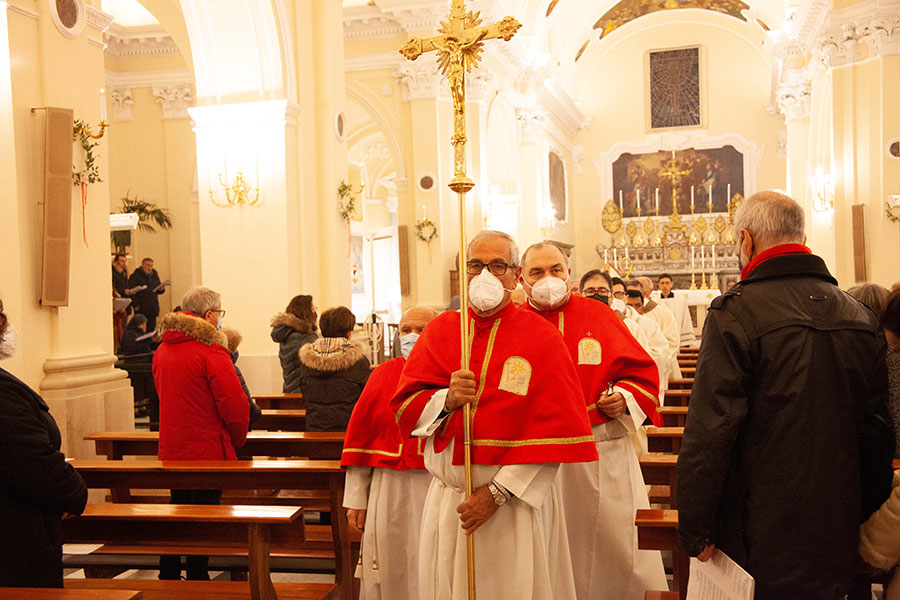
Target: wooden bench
(154, 589)
(664, 439)
(158, 526)
(677, 397)
(688, 372)
(334, 541)
(321, 445)
(658, 530)
(64, 594)
(280, 401)
(660, 470)
(673, 416)
(281, 419)
(681, 384)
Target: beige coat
(879, 538)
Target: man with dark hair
(679, 307)
(635, 300)
(596, 284)
(788, 443)
(665, 286)
(146, 286)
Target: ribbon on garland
(83, 211)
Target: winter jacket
(333, 373)
(203, 412)
(146, 301)
(787, 446)
(879, 537)
(255, 410)
(36, 487)
(129, 345)
(291, 334)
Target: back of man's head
(646, 285)
(771, 218)
(199, 300)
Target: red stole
(772, 252)
(528, 406)
(604, 352)
(373, 438)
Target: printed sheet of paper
(146, 336)
(162, 285)
(719, 578)
(121, 303)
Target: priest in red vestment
(386, 478)
(620, 386)
(528, 418)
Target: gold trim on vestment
(383, 452)
(562, 324)
(484, 366)
(406, 403)
(640, 389)
(535, 442)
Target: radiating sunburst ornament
(611, 218)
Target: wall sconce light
(547, 219)
(237, 190)
(823, 191)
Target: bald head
(415, 319)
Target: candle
(424, 212)
(639, 199)
(626, 252)
(703, 258)
(692, 259)
(621, 204)
(709, 197)
(606, 257)
(103, 105)
(657, 200)
(692, 197)
(616, 256)
(728, 199)
(714, 258)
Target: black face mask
(603, 299)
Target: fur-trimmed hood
(175, 327)
(283, 324)
(330, 354)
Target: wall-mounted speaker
(57, 230)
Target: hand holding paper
(162, 285)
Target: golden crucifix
(459, 48)
(674, 174)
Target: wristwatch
(499, 494)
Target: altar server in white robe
(677, 303)
(666, 321)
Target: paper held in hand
(146, 336)
(121, 303)
(162, 285)
(136, 289)
(719, 578)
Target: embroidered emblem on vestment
(589, 351)
(516, 376)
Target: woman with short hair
(292, 329)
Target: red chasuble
(373, 438)
(604, 352)
(528, 406)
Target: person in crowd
(677, 303)
(291, 330)
(386, 478)
(871, 295)
(146, 288)
(130, 345)
(620, 385)
(37, 487)
(529, 416)
(666, 321)
(120, 290)
(635, 299)
(665, 284)
(233, 339)
(333, 372)
(784, 454)
(890, 323)
(203, 412)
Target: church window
(675, 88)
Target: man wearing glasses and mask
(528, 417)
(599, 498)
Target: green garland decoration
(347, 203)
(426, 230)
(889, 213)
(91, 172)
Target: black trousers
(197, 566)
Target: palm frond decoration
(149, 215)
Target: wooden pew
(197, 590)
(664, 439)
(688, 372)
(681, 384)
(673, 416)
(677, 397)
(280, 401)
(658, 469)
(152, 526)
(657, 530)
(687, 363)
(123, 476)
(321, 445)
(64, 594)
(281, 419)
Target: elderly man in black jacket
(788, 443)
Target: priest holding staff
(528, 418)
(599, 498)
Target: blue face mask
(407, 342)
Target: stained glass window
(675, 88)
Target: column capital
(530, 123)
(174, 100)
(793, 99)
(122, 103)
(420, 78)
(865, 30)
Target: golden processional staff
(459, 49)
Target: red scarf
(780, 250)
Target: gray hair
(871, 295)
(772, 218)
(200, 300)
(646, 284)
(493, 233)
(540, 245)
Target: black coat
(291, 334)
(788, 443)
(36, 487)
(146, 301)
(120, 282)
(129, 346)
(333, 373)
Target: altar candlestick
(692, 197)
(703, 258)
(714, 258)
(657, 201)
(606, 258)
(626, 252)
(424, 212)
(616, 257)
(692, 259)
(709, 197)
(103, 105)
(728, 199)
(621, 203)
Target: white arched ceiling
(169, 15)
(236, 49)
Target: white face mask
(549, 292)
(486, 291)
(618, 305)
(10, 342)
(407, 342)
